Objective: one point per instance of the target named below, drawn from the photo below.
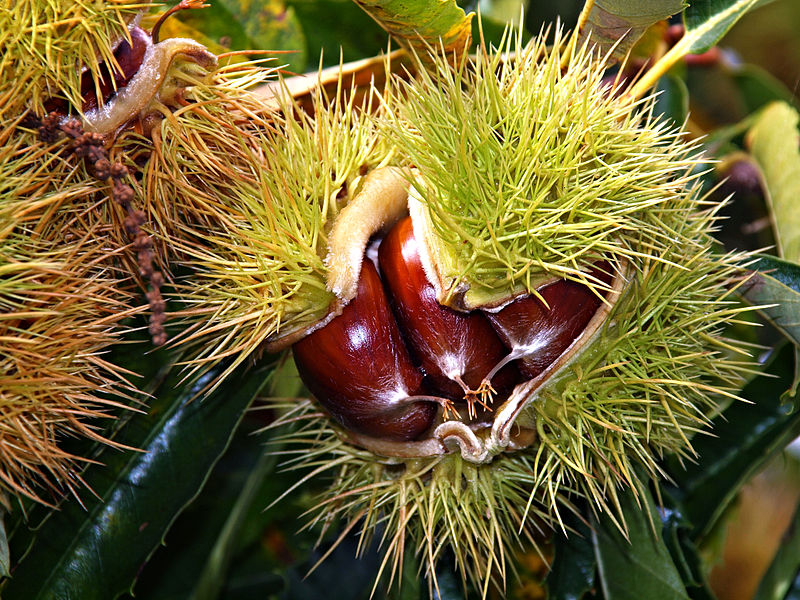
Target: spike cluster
(252, 196)
(45, 45)
(62, 300)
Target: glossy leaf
(706, 21)
(572, 573)
(639, 566)
(422, 25)
(773, 143)
(784, 568)
(745, 436)
(775, 283)
(622, 22)
(96, 551)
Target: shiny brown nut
(539, 330)
(456, 350)
(359, 368)
(129, 57)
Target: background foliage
(191, 516)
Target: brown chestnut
(456, 350)
(360, 370)
(129, 57)
(538, 329)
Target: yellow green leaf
(773, 142)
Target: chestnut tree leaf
(5, 562)
(638, 565)
(623, 22)
(572, 573)
(95, 551)
(422, 25)
(773, 142)
(707, 21)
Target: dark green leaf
(5, 560)
(744, 437)
(707, 21)
(572, 573)
(639, 566)
(96, 551)
(782, 572)
(337, 30)
(684, 553)
(672, 101)
(622, 22)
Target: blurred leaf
(745, 436)
(639, 566)
(266, 25)
(337, 30)
(773, 142)
(793, 593)
(784, 568)
(726, 92)
(672, 101)
(706, 21)
(422, 25)
(96, 551)
(572, 573)
(623, 22)
(544, 14)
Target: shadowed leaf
(623, 22)
(639, 566)
(97, 551)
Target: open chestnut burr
(394, 354)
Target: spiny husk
(527, 173)
(426, 505)
(252, 196)
(45, 44)
(61, 303)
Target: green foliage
(221, 544)
(94, 549)
(639, 552)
